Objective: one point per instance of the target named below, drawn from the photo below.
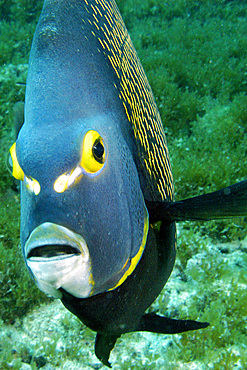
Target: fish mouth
(54, 241)
(51, 251)
(57, 257)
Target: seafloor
(210, 288)
(195, 56)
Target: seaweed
(17, 291)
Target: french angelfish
(95, 176)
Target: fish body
(71, 91)
(85, 229)
(95, 175)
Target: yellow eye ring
(93, 152)
(16, 171)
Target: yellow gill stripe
(137, 257)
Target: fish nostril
(47, 251)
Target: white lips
(72, 272)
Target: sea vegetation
(195, 56)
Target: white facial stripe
(67, 179)
(32, 185)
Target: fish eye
(93, 152)
(9, 162)
(98, 151)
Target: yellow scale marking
(136, 96)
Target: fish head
(84, 222)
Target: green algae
(195, 57)
(18, 292)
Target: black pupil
(98, 150)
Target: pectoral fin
(225, 203)
(163, 325)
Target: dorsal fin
(136, 96)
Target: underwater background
(195, 56)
